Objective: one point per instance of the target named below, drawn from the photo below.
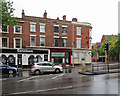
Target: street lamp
(73, 47)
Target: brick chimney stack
(57, 18)
(74, 19)
(45, 14)
(23, 14)
(64, 17)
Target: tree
(113, 44)
(7, 13)
(94, 52)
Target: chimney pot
(57, 18)
(45, 14)
(64, 17)
(74, 19)
(23, 14)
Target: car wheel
(37, 72)
(57, 71)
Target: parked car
(41, 67)
(6, 69)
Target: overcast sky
(102, 14)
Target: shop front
(60, 56)
(23, 57)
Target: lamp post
(73, 47)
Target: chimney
(64, 17)
(57, 18)
(23, 14)
(74, 19)
(45, 14)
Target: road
(64, 83)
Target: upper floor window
(32, 40)
(32, 27)
(64, 30)
(90, 32)
(17, 43)
(64, 42)
(4, 42)
(18, 29)
(56, 29)
(4, 28)
(78, 31)
(42, 28)
(78, 43)
(42, 41)
(56, 40)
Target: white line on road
(52, 89)
(3, 79)
(58, 76)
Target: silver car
(41, 67)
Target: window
(4, 42)
(56, 40)
(42, 41)
(90, 44)
(17, 43)
(4, 28)
(17, 29)
(78, 31)
(78, 43)
(64, 30)
(56, 29)
(83, 56)
(32, 27)
(76, 54)
(64, 42)
(32, 40)
(42, 28)
(90, 33)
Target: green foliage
(7, 13)
(113, 46)
(94, 52)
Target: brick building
(36, 39)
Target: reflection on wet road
(63, 83)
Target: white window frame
(76, 55)
(77, 31)
(41, 24)
(40, 41)
(62, 30)
(7, 30)
(82, 56)
(90, 32)
(77, 43)
(20, 42)
(7, 42)
(30, 39)
(32, 24)
(20, 29)
(58, 29)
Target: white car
(41, 67)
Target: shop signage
(24, 50)
(58, 54)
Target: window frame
(2, 42)
(55, 43)
(78, 28)
(15, 29)
(40, 40)
(77, 43)
(7, 29)
(30, 40)
(20, 42)
(82, 56)
(40, 28)
(64, 30)
(64, 43)
(32, 27)
(58, 29)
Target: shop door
(19, 60)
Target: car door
(50, 66)
(47, 67)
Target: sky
(102, 14)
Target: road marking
(58, 76)
(3, 79)
(27, 78)
(52, 89)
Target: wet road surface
(64, 83)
